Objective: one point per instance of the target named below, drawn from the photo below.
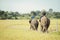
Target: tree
(2, 15)
(50, 10)
(38, 12)
(16, 15)
(6, 14)
(33, 13)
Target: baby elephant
(34, 24)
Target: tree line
(16, 15)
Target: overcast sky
(25, 6)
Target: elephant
(34, 24)
(44, 23)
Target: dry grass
(19, 30)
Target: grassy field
(19, 30)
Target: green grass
(19, 30)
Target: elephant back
(44, 20)
(34, 21)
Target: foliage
(16, 15)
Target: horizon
(26, 6)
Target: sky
(25, 6)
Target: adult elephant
(44, 22)
(34, 24)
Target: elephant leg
(41, 28)
(30, 26)
(33, 27)
(47, 26)
(36, 26)
(47, 29)
(44, 28)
